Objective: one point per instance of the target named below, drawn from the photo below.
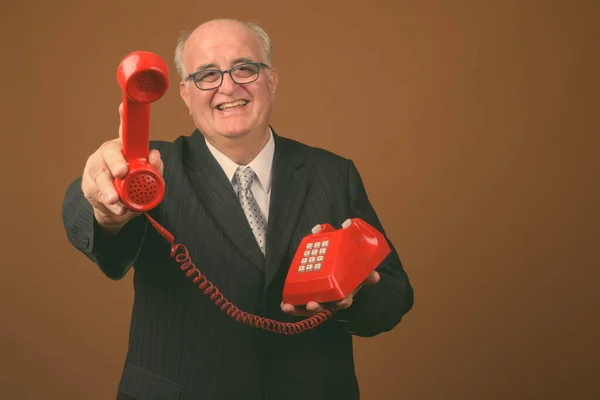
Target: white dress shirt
(261, 164)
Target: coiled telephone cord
(181, 255)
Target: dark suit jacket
(181, 346)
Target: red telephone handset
(352, 252)
(329, 264)
(143, 77)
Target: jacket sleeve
(114, 255)
(380, 307)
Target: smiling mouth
(234, 104)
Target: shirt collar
(261, 164)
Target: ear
(184, 92)
(273, 80)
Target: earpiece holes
(142, 189)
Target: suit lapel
(217, 195)
(287, 196)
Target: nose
(228, 85)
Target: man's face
(222, 46)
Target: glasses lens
(208, 79)
(245, 73)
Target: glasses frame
(259, 65)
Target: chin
(234, 132)
(234, 128)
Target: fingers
(113, 159)
(108, 196)
(345, 303)
(98, 187)
(106, 189)
(288, 308)
(314, 307)
(311, 309)
(98, 180)
(372, 279)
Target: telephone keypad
(314, 255)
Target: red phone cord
(181, 254)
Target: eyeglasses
(208, 79)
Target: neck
(244, 149)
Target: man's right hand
(97, 183)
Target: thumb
(156, 161)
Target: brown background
(474, 124)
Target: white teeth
(233, 104)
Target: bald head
(217, 28)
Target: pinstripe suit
(181, 346)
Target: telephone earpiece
(143, 76)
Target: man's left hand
(312, 307)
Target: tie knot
(244, 176)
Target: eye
(208, 76)
(245, 70)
